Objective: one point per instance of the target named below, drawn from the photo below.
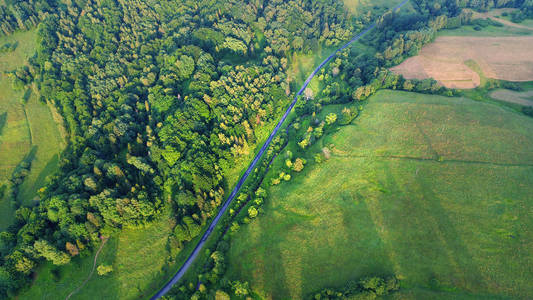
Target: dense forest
(160, 98)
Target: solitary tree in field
(240, 288)
(298, 165)
(252, 212)
(104, 269)
(331, 118)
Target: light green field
(46, 139)
(435, 190)
(26, 125)
(137, 257)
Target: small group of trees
(11, 189)
(8, 47)
(367, 288)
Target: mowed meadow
(434, 190)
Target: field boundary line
(435, 160)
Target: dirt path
(104, 240)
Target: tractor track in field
(422, 159)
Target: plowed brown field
(506, 58)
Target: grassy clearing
(435, 190)
(137, 257)
(46, 138)
(15, 140)
(377, 7)
(26, 124)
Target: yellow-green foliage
(432, 189)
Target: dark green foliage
(20, 172)
(23, 15)
(8, 47)
(368, 288)
(528, 110)
(482, 23)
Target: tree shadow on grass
(50, 167)
(342, 265)
(430, 236)
(274, 273)
(3, 120)
(455, 245)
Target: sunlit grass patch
(432, 189)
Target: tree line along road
(252, 165)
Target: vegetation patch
(432, 189)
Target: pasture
(435, 190)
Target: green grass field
(26, 125)
(46, 139)
(435, 190)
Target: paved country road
(221, 212)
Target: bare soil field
(522, 98)
(506, 58)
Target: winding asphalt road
(221, 212)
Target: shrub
(298, 165)
(104, 269)
(241, 289)
(234, 227)
(221, 295)
(528, 110)
(252, 212)
(331, 118)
